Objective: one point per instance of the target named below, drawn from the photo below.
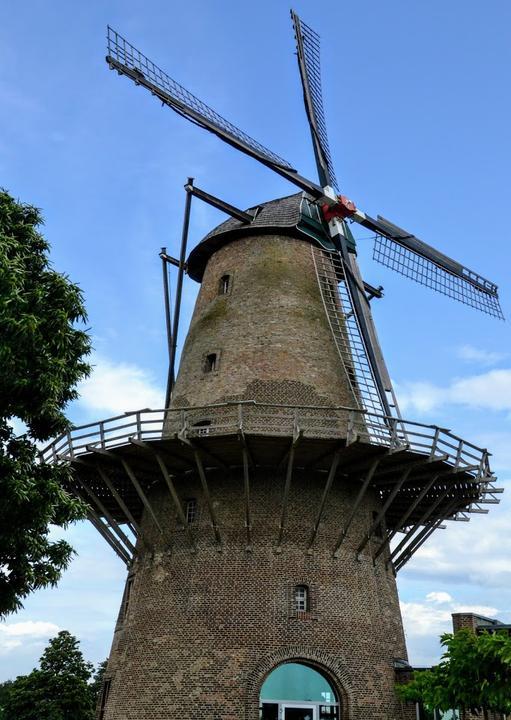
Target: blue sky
(417, 104)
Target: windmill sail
(413, 258)
(308, 47)
(127, 60)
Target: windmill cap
(291, 215)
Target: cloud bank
(487, 391)
(115, 388)
(14, 635)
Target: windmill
(264, 511)
(394, 247)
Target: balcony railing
(276, 421)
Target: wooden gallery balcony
(422, 474)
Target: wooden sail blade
(308, 54)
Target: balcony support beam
(360, 497)
(330, 478)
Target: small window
(191, 510)
(127, 596)
(301, 598)
(224, 286)
(105, 692)
(210, 363)
(202, 427)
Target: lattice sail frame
(308, 43)
(405, 261)
(123, 56)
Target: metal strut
(179, 289)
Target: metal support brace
(246, 483)
(287, 486)
(108, 536)
(412, 464)
(297, 439)
(205, 489)
(243, 440)
(164, 453)
(360, 497)
(455, 471)
(328, 485)
(428, 512)
(131, 522)
(402, 520)
(425, 516)
(168, 322)
(141, 494)
(113, 522)
(135, 526)
(381, 514)
(175, 499)
(383, 452)
(421, 538)
(179, 288)
(326, 453)
(184, 439)
(241, 215)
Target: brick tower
(263, 501)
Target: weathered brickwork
(204, 628)
(271, 330)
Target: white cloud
(115, 388)
(14, 635)
(426, 620)
(480, 357)
(490, 390)
(476, 553)
(440, 598)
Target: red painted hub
(343, 208)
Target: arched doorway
(295, 691)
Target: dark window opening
(105, 691)
(191, 510)
(301, 598)
(269, 711)
(127, 596)
(202, 427)
(224, 286)
(211, 363)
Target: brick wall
(270, 331)
(203, 629)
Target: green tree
(473, 675)
(96, 685)
(41, 361)
(4, 691)
(59, 690)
